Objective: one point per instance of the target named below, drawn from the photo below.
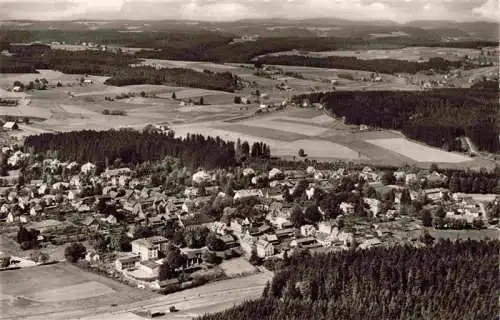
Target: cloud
(220, 10)
(490, 10)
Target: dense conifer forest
(133, 147)
(437, 117)
(13, 65)
(224, 81)
(30, 58)
(389, 66)
(450, 280)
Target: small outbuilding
(11, 125)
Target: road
(212, 297)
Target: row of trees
(472, 182)
(451, 280)
(133, 147)
(389, 66)
(422, 116)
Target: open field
(237, 266)
(418, 152)
(410, 53)
(20, 286)
(79, 291)
(40, 291)
(75, 107)
(308, 130)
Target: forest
(423, 116)
(224, 81)
(29, 58)
(389, 66)
(134, 147)
(13, 65)
(448, 280)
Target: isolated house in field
(17, 89)
(11, 125)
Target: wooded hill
(451, 280)
(133, 147)
(435, 117)
(389, 66)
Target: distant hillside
(478, 30)
(330, 27)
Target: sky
(226, 10)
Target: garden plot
(418, 152)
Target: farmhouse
(11, 125)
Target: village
(200, 226)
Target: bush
(74, 252)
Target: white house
(248, 172)
(111, 219)
(88, 168)
(148, 248)
(92, 257)
(264, 248)
(201, 176)
(75, 181)
(275, 174)
(310, 193)
(347, 208)
(248, 193)
(11, 125)
(307, 230)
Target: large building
(148, 248)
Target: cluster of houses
(74, 190)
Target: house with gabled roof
(264, 248)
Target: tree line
(116, 65)
(224, 81)
(389, 66)
(449, 280)
(423, 116)
(133, 147)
